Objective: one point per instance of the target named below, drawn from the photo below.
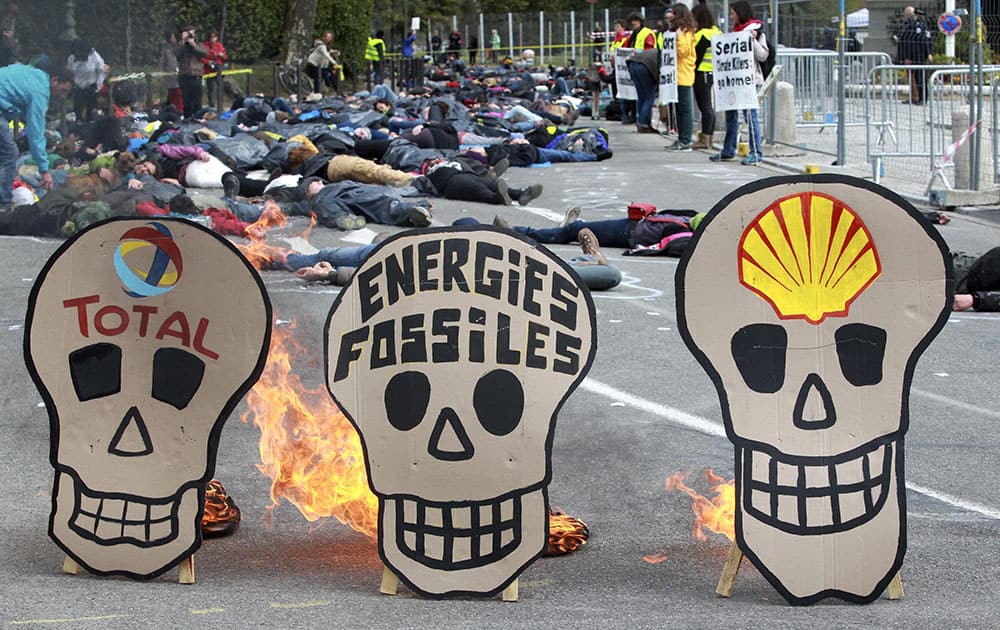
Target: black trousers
(703, 98)
(190, 93)
(983, 275)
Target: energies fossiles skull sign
(452, 351)
(141, 337)
(809, 300)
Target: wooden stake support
(510, 593)
(390, 586)
(727, 581)
(895, 588)
(185, 571)
(70, 566)
(390, 583)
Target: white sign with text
(732, 56)
(668, 69)
(626, 89)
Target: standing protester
(89, 72)
(213, 63)
(189, 70)
(374, 54)
(24, 94)
(684, 26)
(913, 47)
(473, 49)
(703, 72)
(320, 59)
(408, 43)
(455, 42)
(640, 38)
(741, 17)
(168, 63)
(494, 44)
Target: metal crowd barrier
(910, 133)
(146, 79)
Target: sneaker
(719, 157)
(501, 222)
(529, 193)
(750, 160)
(349, 222)
(420, 216)
(590, 246)
(503, 192)
(572, 214)
(501, 167)
(230, 185)
(642, 129)
(679, 146)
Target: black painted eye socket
(96, 371)
(861, 350)
(406, 398)
(499, 402)
(177, 375)
(759, 351)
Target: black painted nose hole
(814, 386)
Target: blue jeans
(555, 155)
(645, 90)
(385, 93)
(609, 233)
(733, 128)
(8, 162)
(336, 256)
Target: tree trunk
(297, 33)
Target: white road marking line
(545, 213)
(955, 403)
(715, 429)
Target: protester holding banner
(703, 72)
(640, 38)
(684, 25)
(741, 17)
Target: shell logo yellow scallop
(809, 256)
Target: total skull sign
(141, 337)
(452, 351)
(809, 300)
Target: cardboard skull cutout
(141, 337)
(808, 300)
(452, 351)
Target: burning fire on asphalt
(716, 514)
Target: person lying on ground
(666, 232)
(467, 179)
(977, 285)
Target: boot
(704, 141)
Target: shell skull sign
(809, 300)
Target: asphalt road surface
(646, 410)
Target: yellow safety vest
(640, 39)
(706, 33)
(371, 52)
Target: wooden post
(390, 583)
(895, 588)
(727, 580)
(185, 571)
(70, 566)
(510, 593)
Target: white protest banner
(626, 89)
(668, 69)
(732, 55)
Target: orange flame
(221, 514)
(257, 252)
(717, 514)
(308, 448)
(566, 533)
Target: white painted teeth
(116, 520)
(816, 499)
(457, 537)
